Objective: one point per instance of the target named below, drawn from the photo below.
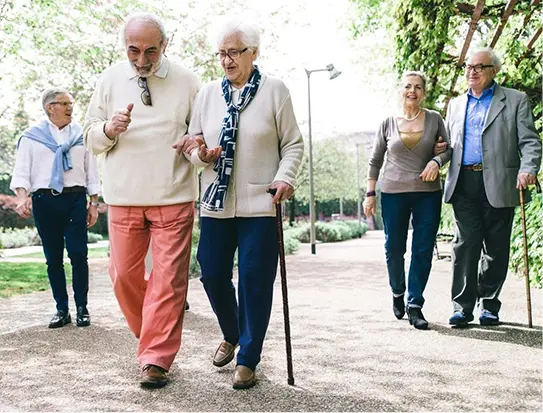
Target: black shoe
(416, 319)
(83, 317)
(60, 319)
(187, 306)
(398, 306)
(460, 319)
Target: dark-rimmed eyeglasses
(63, 104)
(232, 54)
(475, 68)
(145, 94)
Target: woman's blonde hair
(416, 73)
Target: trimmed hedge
(334, 231)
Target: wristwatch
(92, 203)
(370, 193)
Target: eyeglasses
(63, 104)
(476, 68)
(232, 54)
(145, 95)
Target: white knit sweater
(269, 146)
(139, 167)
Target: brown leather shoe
(244, 377)
(153, 377)
(224, 354)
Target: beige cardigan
(139, 167)
(269, 146)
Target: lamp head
(333, 71)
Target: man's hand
(24, 206)
(119, 122)
(524, 179)
(440, 146)
(188, 143)
(283, 192)
(92, 215)
(369, 205)
(209, 155)
(430, 173)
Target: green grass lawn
(24, 278)
(100, 252)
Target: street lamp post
(359, 212)
(333, 74)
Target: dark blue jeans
(59, 218)
(397, 209)
(258, 251)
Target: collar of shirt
(162, 71)
(60, 135)
(487, 93)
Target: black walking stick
(526, 264)
(283, 265)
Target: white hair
(226, 27)
(493, 56)
(50, 95)
(150, 18)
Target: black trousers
(480, 247)
(58, 219)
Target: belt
(66, 190)
(478, 167)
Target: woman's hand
(369, 206)
(209, 155)
(431, 172)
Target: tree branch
(472, 27)
(508, 10)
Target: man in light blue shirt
(496, 153)
(476, 111)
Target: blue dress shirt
(476, 111)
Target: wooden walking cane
(526, 263)
(283, 265)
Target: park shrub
(19, 237)
(94, 238)
(334, 231)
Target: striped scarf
(215, 195)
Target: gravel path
(350, 353)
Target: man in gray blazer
(496, 151)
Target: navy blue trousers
(59, 218)
(397, 209)
(258, 251)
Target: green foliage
(429, 36)
(534, 236)
(334, 172)
(446, 225)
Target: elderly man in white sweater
(251, 143)
(139, 109)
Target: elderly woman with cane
(244, 133)
(410, 187)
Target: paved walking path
(350, 353)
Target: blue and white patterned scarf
(215, 195)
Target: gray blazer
(510, 145)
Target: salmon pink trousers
(153, 307)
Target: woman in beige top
(410, 186)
